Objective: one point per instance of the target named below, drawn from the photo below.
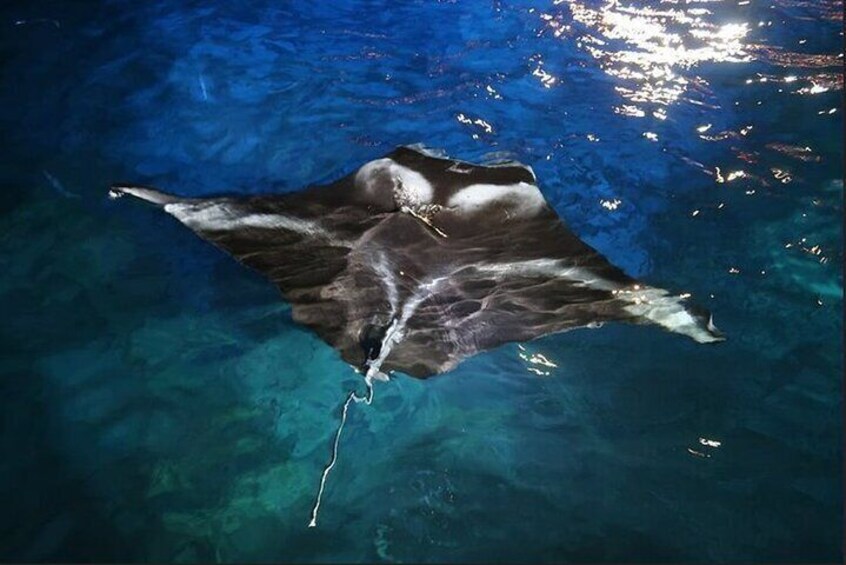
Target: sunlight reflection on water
(649, 49)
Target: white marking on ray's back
(524, 199)
(668, 311)
(550, 268)
(410, 187)
(396, 330)
(654, 304)
(221, 217)
(388, 281)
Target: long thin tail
(144, 193)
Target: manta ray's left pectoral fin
(144, 193)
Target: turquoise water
(159, 404)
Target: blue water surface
(159, 404)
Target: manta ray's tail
(144, 193)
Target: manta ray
(416, 261)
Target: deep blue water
(159, 404)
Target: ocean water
(159, 404)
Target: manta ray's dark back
(415, 262)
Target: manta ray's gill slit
(352, 396)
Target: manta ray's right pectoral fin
(144, 193)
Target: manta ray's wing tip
(144, 193)
(708, 332)
(115, 192)
(712, 339)
(714, 332)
